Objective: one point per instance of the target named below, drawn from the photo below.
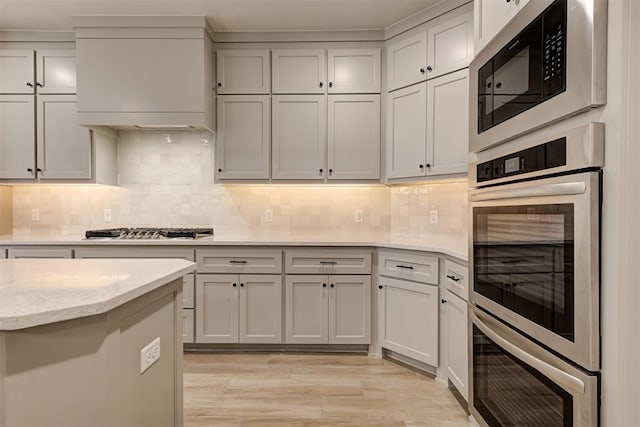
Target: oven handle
(563, 189)
(562, 378)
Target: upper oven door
(535, 258)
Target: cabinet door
(217, 308)
(491, 16)
(407, 132)
(64, 147)
(243, 71)
(17, 71)
(354, 70)
(407, 60)
(448, 123)
(450, 42)
(410, 318)
(242, 142)
(17, 137)
(457, 339)
(298, 71)
(260, 309)
(299, 136)
(187, 326)
(354, 137)
(306, 311)
(350, 309)
(56, 71)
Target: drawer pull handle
(452, 277)
(408, 267)
(328, 262)
(234, 261)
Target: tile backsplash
(168, 180)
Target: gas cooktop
(149, 233)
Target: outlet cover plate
(149, 355)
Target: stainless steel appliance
(534, 245)
(149, 233)
(549, 62)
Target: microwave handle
(563, 189)
(560, 377)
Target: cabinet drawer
(188, 300)
(39, 253)
(419, 268)
(328, 262)
(267, 261)
(134, 252)
(456, 278)
(187, 326)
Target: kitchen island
(91, 342)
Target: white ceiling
(223, 15)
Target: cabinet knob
(38, 170)
(379, 286)
(508, 1)
(39, 84)
(421, 166)
(444, 301)
(321, 170)
(235, 284)
(242, 285)
(428, 165)
(422, 71)
(499, 85)
(29, 170)
(429, 68)
(330, 171)
(219, 84)
(320, 84)
(219, 169)
(332, 285)
(324, 285)
(330, 84)
(29, 84)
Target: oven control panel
(545, 156)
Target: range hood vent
(144, 72)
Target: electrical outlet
(149, 355)
(357, 215)
(35, 214)
(268, 215)
(433, 216)
(107, 215)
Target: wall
(167, 180)
(6, 218)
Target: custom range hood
(144, 72)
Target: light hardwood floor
(312, 390)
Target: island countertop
(40, 291)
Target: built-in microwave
(549, 62)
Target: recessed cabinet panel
(448, 123)
(188, 291)
(17, 137)
(260, 309)
(450, 42)
(56, 71)
(456, 279)
(299, 71)
(306, 310)
(320, 261)
(406, 131)
(491, 16)
(354, 137)
(299, 137)
(16, 71)
(242, 143)
(216, 308)
(407, 59)
(354, 70)
(243, 71)
(224, 260)
(417, 268)
(187, 326)
(458, 342)
(64, 147)
(39, 253)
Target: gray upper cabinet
(17, 137)
(243, 140)
(353, 71)
(407, 59)
(299, 71)
(43, 71)
(64, 147)
(450, 42)
(244, 71)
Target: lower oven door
(515, 382)
(535, 260)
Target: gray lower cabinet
(239, 308)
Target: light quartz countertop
(41, 291)
(453, 246)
